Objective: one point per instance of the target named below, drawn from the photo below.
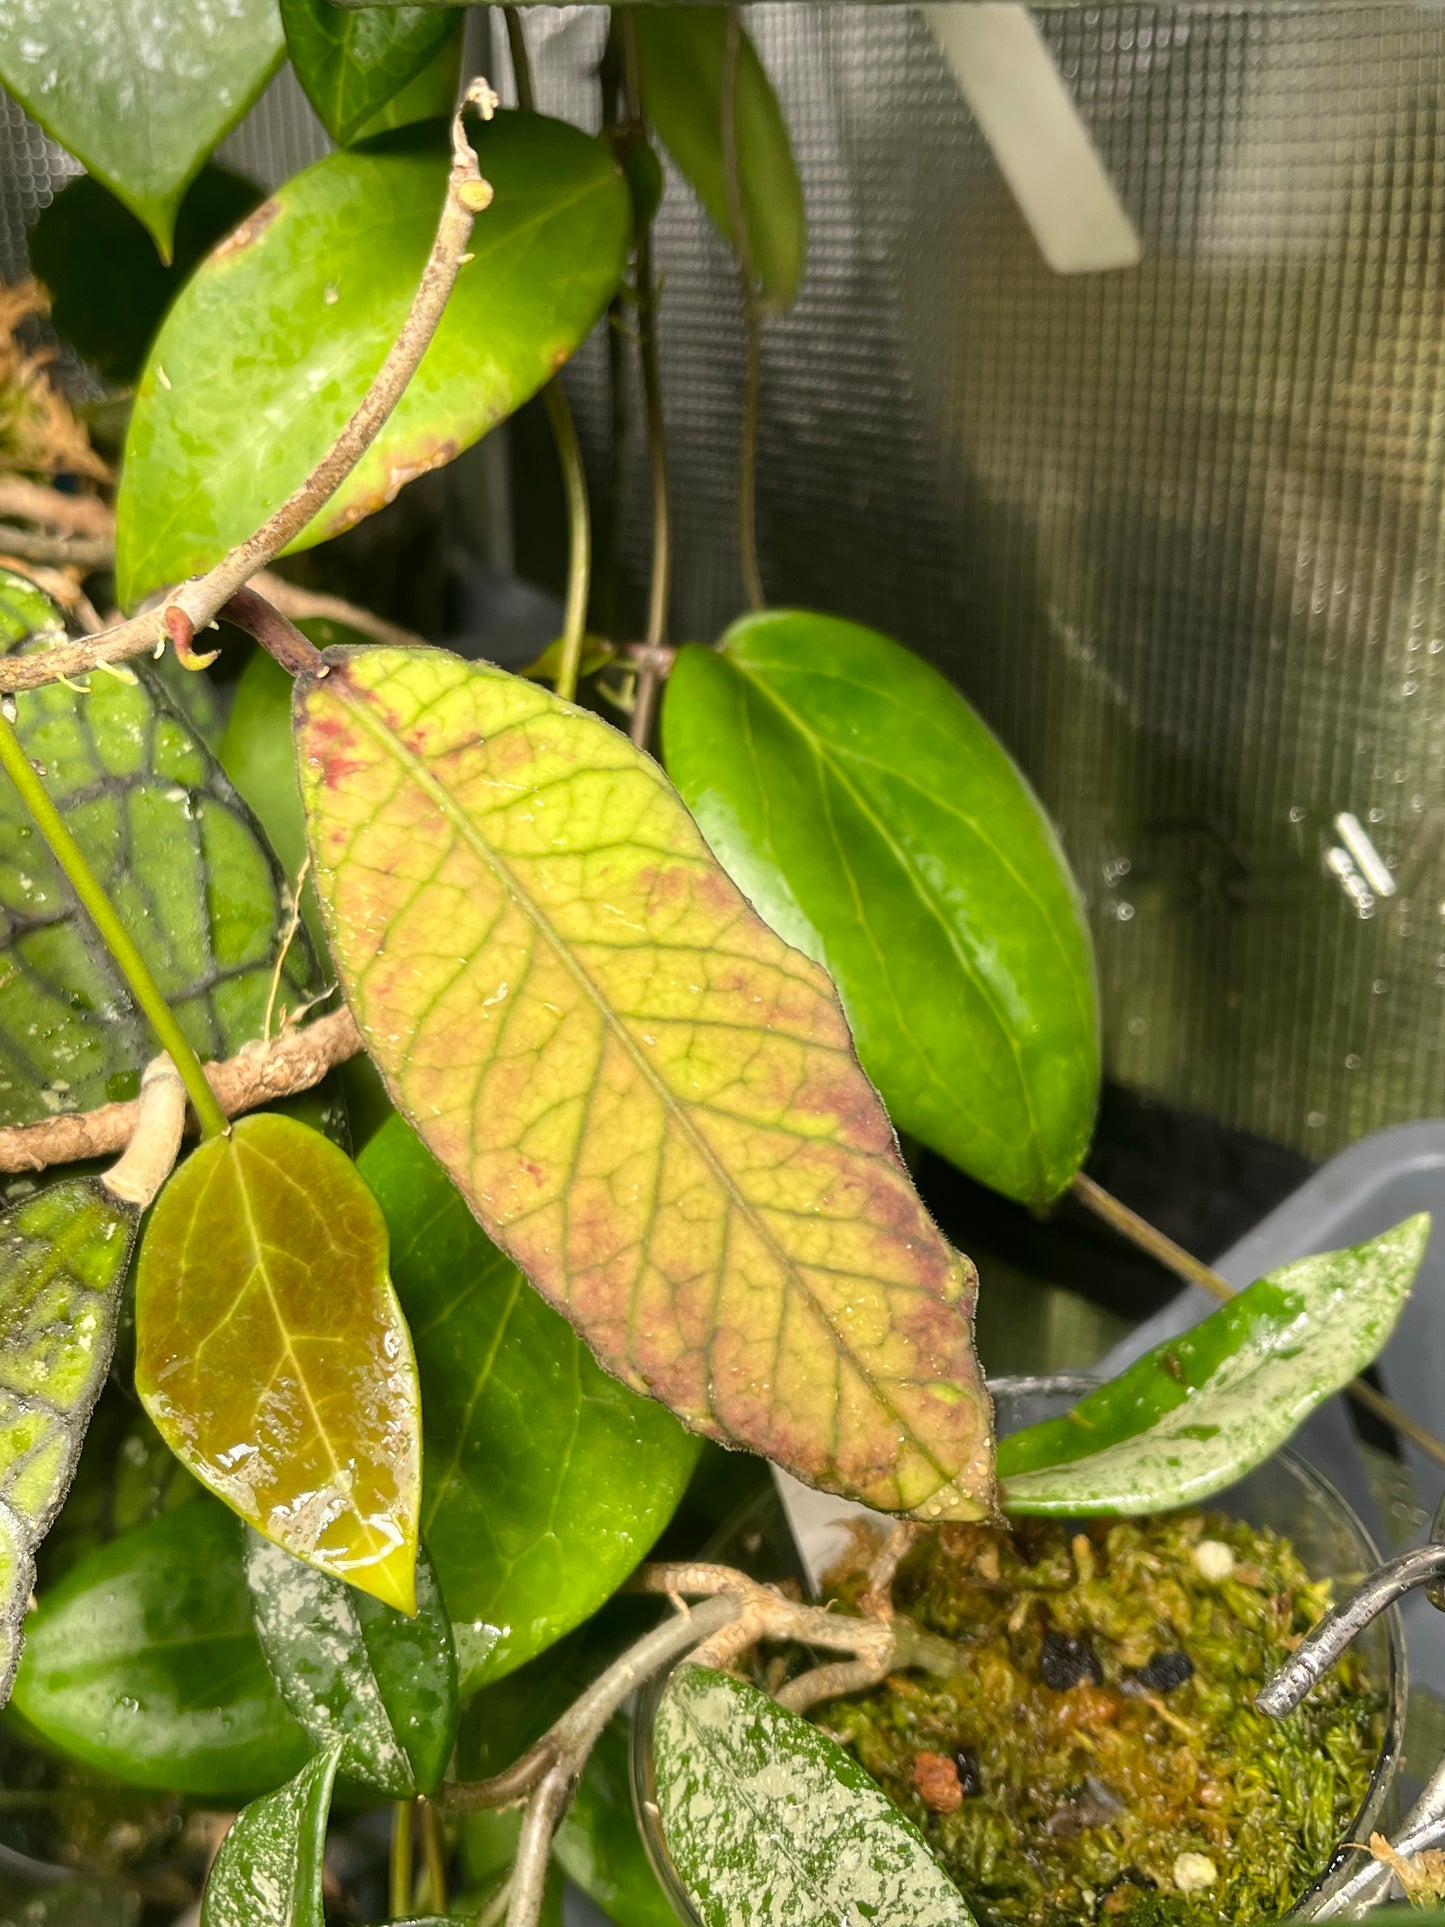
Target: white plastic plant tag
(1014, 91)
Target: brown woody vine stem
(1193, 1271)
(654, 662)
(752, 329)
(259, 1074)
(201, 599)
(70, 514)
(303, 605)
(87, 552)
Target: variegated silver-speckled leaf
(771, 1824)
(63, 1253)
(269, 1868)
(355, 1670)
(1196, 1413)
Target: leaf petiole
(117, 939)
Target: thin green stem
(752, 325)
(433, 1853)
(659, 597)
(579, 526)
(400, 1881)
(521, 65)
(569, 449)
(114, 935)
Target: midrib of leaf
(917, 719)
(262, 436)
(287, 1350)
(462, 826)
(926, 898)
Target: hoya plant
(441, 1106)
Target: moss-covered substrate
(1099, 1757)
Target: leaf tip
(392, 1579)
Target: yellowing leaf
(272, 1354)
(648, 1099)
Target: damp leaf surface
(322, 276)
(176, 851)
(143, 1663)
(680, 52)
(769, 1823)
(63, 1253)
(272, 1355)
(357, 1672)
(139, 93)
(648, 1099)
(545, 1482)
(268, 1869)
(1197, 1412)
(875, 821)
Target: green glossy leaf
(680, 52)
(1196, 1413)
(272, 1355)
(357, 1672)
(874, 820)
(771, 1824)
(649, 1101)
(179, 856)
(545, 1481)
(140, 93)
(268, 1869)
(143, 1662)
(324, 274)
(109, 288)
(63, 1254)
(426, 96)
(351, 64)
(598, 1844)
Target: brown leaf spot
(936, 1782)
(254, 225)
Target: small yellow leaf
(647, 1098)
(272, 1354)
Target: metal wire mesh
(1175, 530)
